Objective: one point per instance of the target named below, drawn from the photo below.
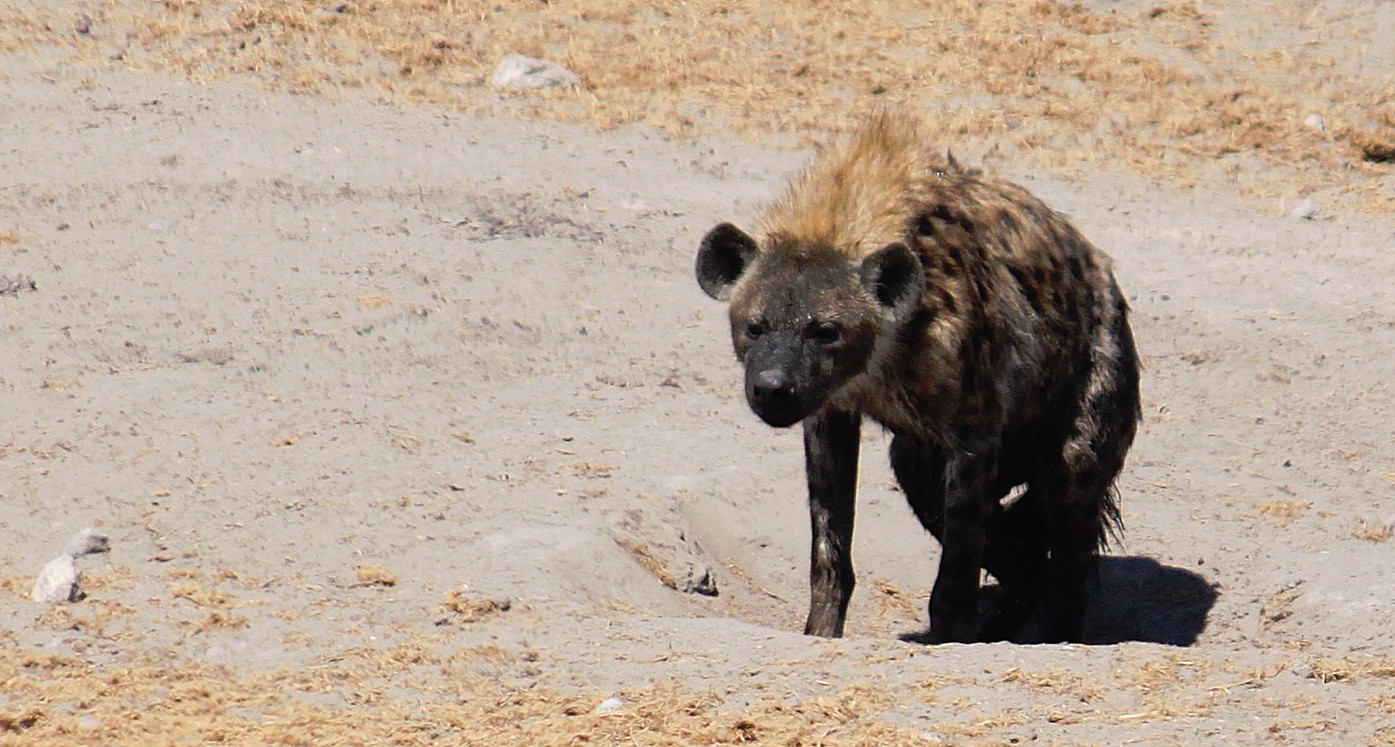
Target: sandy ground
(412, 427)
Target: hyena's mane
(862, 191)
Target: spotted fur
(979, 327)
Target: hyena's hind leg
(1016, 555)
(1083, 501)
(1015, 552)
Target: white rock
(58, 581)
(518, 71)
(610, 705)
(1316, 122)
(1305, 210)
(87, 542)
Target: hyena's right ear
(725, 253)
(896, 279)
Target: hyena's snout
(772, 396)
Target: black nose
(772, 386)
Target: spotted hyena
(980, 328)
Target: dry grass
(428, 691)
(1339, 670)
(1373, 532)
(349, 701)
(369, 574)
(1051, 85)
(1282, 512)
(1056, 682)
(646, 558)
(469, 610)
(892, 599)
(375, 300)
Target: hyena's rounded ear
(725, 253)
(896, 278)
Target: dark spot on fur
(947, 303)
(1077, 270)
(924, 226)
(1031, 290)
(1009, 223)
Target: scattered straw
(374, 575)
(645, 557)
(1164, 91)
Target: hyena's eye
(824, 333)
(754, 330)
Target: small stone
(1302, 669)
(1315, 122)
(698, 580)
(83, 25)
(58, 582)
(87, 542)
(1305, 210)
(609, 705)
(13, 286)
(527, 73)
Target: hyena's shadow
(1139, 599)
(1132, 599)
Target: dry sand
(410, 426)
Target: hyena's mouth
(778, 416)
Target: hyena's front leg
(954, 600)
(831, 441)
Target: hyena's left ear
(725, 253)
(895, 277)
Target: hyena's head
(805, 320)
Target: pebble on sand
(1305, 210)
(86, 542)
(609, 705)
(59, 581)
(526, 73)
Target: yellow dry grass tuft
(369, 574)
(1373, 532)
(588, 469)
(348, 700)
(472, 610)
(646, 558)
(1282, 512)
(1338, 670)
(375, 300)
(1056, 681)
(892, 599)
